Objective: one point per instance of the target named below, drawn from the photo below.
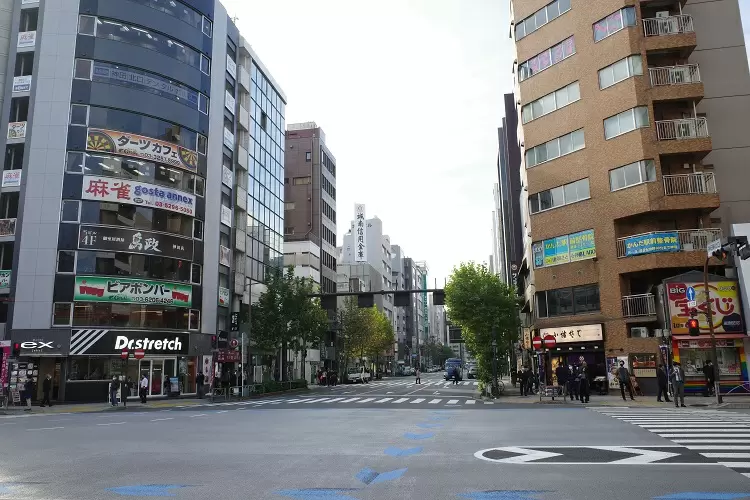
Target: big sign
(138, 146)
(132, 291)
(725, 307)
(137, 193)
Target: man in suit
(662, 378)
(678, 382)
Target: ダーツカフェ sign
(138, 146)
(115, 239)
(131, 291)
(113, 342)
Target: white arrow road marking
(644, 457)
(526, 455)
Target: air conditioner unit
(639, 331)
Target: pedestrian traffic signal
(16, 349)
(214, 342)
(693, 327)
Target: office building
(142, 189)
(632, 117)
(310, 204)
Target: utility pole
(494, 359)
(710, 319)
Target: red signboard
(124, 354)
(536, 342)
(549, 341)
(227, 356)
(139, 353)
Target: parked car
(471, 372)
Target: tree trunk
(302, 367)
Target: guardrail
(638, 305)
(669, 25)
(674, 75)
(683, 128)
(695, 183)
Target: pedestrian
(623, 376)
(561, 372)
(199, 381)
(125, 385)
(678, 382)
(455, 375)
(166, 385)
(113, 386)
(28, 391)
(662, 378)
(584, 389)
(524, 381)
(419, 378)
(143, 388)
(46, 390)
(710, 375)
(573, 382)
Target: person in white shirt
(143, 389)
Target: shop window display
(693, 361)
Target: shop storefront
(42, 353)
(96, 357)
(693, 353)
(576, 344)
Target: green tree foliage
(285, 315)
(478, 301)
(367, 332)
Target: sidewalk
(156, 403)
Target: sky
(409, 94)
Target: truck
(358, 375)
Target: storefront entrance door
(156, 370)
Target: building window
(194, 322)
(62, 314)
(195, 274)
(71, 211)
(559, 196)
(555, 148)
(197, 229)
(300, 181)
(87, 25)
(551, 102)
(620, 70)
(541, 17)
(205, 65)
(308, 156)
(207, 27)
(614, 23)
(74, 162)
(66, 261)
(625, 122)
(568, 301)
(548, 58)
(289, 205)
(632, 175)
(79, 114)
(82, 69)
(202, 147)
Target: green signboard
(132, 291)
(5, 280)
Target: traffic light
(438, 297)
(720, 254)
(16, 349)
(693, 327)
(214, 342)
(223, 341)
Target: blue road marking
(503, 495)
(703, 495)
(147, 490)
(369, 476)
(5, 488)
(429, 426)
(318, 493)
(424, 435)
(398, 452)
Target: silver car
(472, 372)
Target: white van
(358, 375)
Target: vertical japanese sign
(424, 302)
(4, 355)
(360, 233)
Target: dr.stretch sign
(132, 291)
(137, 193)
(113, 342)
(116, 239)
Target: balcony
(634, 306)
(682, 240)
(683, 128)
(697, 183)
(675, 75)
(670, 25)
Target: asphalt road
(377, 451)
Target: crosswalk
(341, 401)
(715, 434)
(426, 383)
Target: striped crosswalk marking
(367, 400)
(715, 434)
(435, 401)
(471, 401)
(335, 399)
(384, 400)
(400, 400)
(349, 400)
(418, 400)
(319, 400)
(452, 401)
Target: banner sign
(26, 39)
(564, 249)
(138, 146)
(112, 342)
(725, 307)
(12, 178)
(16, 130)
(22, 84)
(224, 296)
(5, 280)
(137, 193)
(568, 334)
(117, 239)
(109, 73)
(4, 355)
(226, 216)
(131, 291)
(665, 241)
(225, 256)
(360, 233)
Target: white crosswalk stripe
(432, 383)
(715, 434)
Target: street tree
(366, 332)
(479, 301)
(309, 321)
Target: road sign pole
(710, 319)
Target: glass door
(157, 376)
